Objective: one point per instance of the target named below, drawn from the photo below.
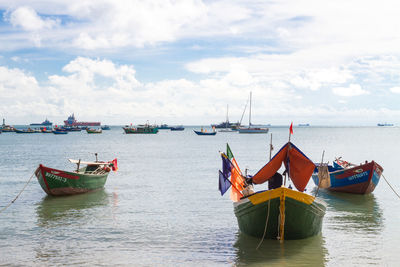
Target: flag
(237, 179)
(224, 183)
(114, 165)
(291, 128)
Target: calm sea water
(163, 206)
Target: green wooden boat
(94, 131)
(140, 129)
(280, 212)
(302, 214)
(91, 177)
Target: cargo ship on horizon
(71, 121)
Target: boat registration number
(55, 177)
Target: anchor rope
(390, 186)
(266, 222)
(9, 204)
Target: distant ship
(71, 121)
(304, 124)
(385, 124)
(43, 124)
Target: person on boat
(275, 181)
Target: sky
(184, 61)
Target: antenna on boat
(96, 156)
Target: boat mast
(241, 119)
(250, 112)
(227, 119)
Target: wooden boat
(7, 128)
(44, 130)
(59, 131)
(177, 128)
(346, 177)
(203, 132)
(26, 131)
(89, 178)
(252, 129)
(93, 131)
(140, 129)
(280, 212)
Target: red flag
(291, 128)
(114, 165)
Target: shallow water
(163, 206)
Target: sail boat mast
(250, 112)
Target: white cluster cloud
(27, 18)
(352, 90)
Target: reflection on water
(303, 252)
(68, 219)
(351, 211)
(65, 208)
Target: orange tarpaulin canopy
(299, 167)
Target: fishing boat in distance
(59, 131)
(204, 132)
(177, 128)
(7, 128)
(105, 127)
(385, 124)
(46, 123)
(346, 177)
(27, 131)
(94, 131)
(91, 177)
(279, 212)
(251, 129)
(140, 129)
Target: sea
(163, 207)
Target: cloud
(27, 18)
(352, 90)
(395, 90)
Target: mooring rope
(9, 204)
(266, 222)
(390, 186)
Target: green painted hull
(56, 182)
(141, 130)
(302, 220)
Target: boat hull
(303, 214)
(144, 130)
(357, 180)
(204, 133)
(57, 182)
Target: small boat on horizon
(177, 128)
(105, 127)
(204, 132)
(27, 131)
(7, 128)
(385, 124)
(94, 131)
(140, 129)
(346, 177)
(91, 177)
